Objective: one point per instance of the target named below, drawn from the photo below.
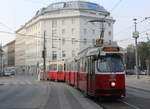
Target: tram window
(84, 65)
(110, 64)
(73, 66)
(80, 65)
(67, 67)
(60, 67)
(93, 66)
(70, 66)
(50, 67)
(89, 65)
(76, 66)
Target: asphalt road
(138, 97)
(63, 96)
(135, 99)
(22, 92)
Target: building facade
(9, 54)
(67, 30)
(1, 61)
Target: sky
(15, 13)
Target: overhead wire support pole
(136, 36)
(44, 56)
(102, 20)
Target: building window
(73, 20)
(54, 33)
(63, 54)
(92, 13)
(85, 31)
(73, 30)
(63, 41)
(93, 41)
(109, 33)
(63, 31)
(54, 55)
(85, 41)
(92, 23)
(109, 24)
(63, 22)
(54, 43)
(93, 32)
(54, 23)
(73, 53)
(73, 40)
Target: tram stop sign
(135, 34)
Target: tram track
(121, 103)
(113, 103)
(116, 103)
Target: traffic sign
(135, 34)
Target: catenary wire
(116, 5)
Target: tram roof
(91, 51)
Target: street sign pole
(136, 35)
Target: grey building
(9, 54)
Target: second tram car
(55, 71)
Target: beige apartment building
(67, 29)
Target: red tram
(99, 71)
(55, 71)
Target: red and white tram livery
(100, 71)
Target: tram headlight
(113, 84)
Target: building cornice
(9, 43)
(43, 16)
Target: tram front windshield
(110, 64)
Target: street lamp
(136, 36)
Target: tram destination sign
(111, 49)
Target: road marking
(16, 82)
(28, 82)
(131, 105)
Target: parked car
(13, 72)
(143, 72)
(7, 73)
(130, 72)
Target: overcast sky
(14, 13)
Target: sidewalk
(143, 83)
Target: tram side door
(91, 76)
(78, 70)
